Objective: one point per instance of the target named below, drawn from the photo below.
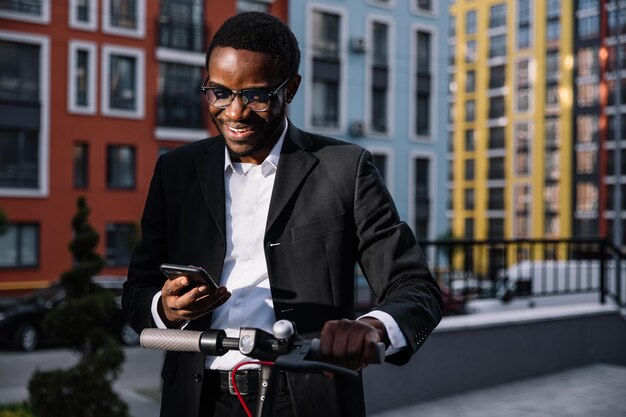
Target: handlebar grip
(379, 356)
(171, 339)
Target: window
(522, 152)
(82, 78)
(553, 8)
(496, 168)
(553, 31)
(469, 169)
(19, 246)
(423, 94)
(122, 83)
(587, 61)
(470, 110)
(586, 160)
(120, 167)
(496, 228)
(470, 22)
(587, 94)
(470, 202)
(553, 133)
(497, 16)
(522, 206)
(496, 198)
(252, 6)
(379, 77)
(523, 86)
(179, 104)
(553, 70)
(19, 72)
(523, 37)
(34, 11)
(468, 225)
(497, 76)
(124, 17)
(421, 196)
(497, 46)
(470, 52)
(553, 164)
(181, 25)
(120, 240)
(19, 158)
(83, 14)
(470, 141)
(587, 128)
(589, 26)
(470, 81)
(81, 165)
(424, 5)
(23, 123)
(326, 69)
(496, 137)
(552, 98)
(496, 107)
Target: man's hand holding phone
(188, 293)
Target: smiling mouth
(239, 130)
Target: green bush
(16, 410)
(86, 389)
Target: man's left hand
(352, 343)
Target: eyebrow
(266, 88)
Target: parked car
(21, 321)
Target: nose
(236, 108)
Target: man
(280, 217)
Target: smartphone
(197, 276)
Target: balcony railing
(538, 267)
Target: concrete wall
(471, 352)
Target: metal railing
(529, 267)
(498, 269)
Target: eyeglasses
(257, 100)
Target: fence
(499, 268)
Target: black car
(21, 320)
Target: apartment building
(374, 73)
(532, 118)
(91, 92)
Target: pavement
(598, 390)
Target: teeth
(241, 130)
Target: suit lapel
(210, 171)
(293, 167)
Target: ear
(292, 88)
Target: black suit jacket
(329, 209)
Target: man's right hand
(179, 304)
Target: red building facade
(91, 92)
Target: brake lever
(298, 360)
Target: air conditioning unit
(357, 128)
(358, 43)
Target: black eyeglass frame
(240, 93)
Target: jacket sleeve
(393, 263)
(144, 277)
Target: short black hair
(260, 32)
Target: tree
(86, 389)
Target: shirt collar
(270, 164)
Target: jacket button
(197, 378)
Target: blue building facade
(374, 72)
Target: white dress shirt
(248, 190)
